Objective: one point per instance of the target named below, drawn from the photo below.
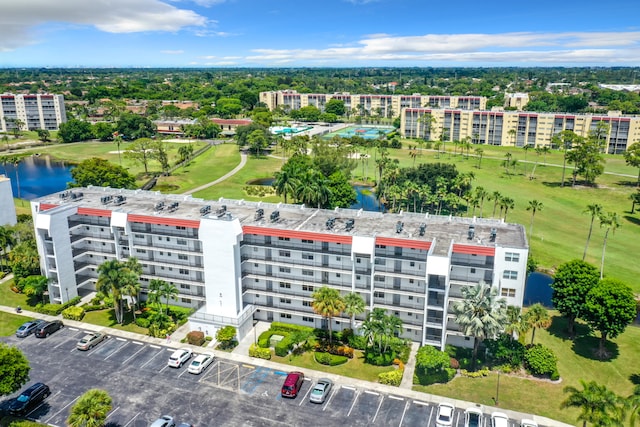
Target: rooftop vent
(223, 210)
(472, 232)
(330, 223)
(119, 200)
(349, 224)
(64, 194)
(399, 226)
(173, 206)
(423, 229)
(205, 210)
(76, 195)
(259, 214)
(159, 206)
(275, 216)
(105, 200)
(494, 232)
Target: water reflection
(37, 176)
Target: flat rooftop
(442, 229)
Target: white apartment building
(515, 128)
(8, 211)
(35, 111)
(236, 261)
(383, 105)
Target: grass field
(10, 322)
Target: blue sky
(319, 33)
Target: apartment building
(31, 112)
(236, 261)
(8, 212)
(381, 105)
(515, 128)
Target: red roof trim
(474, 250)
(293, 234)
(47, 206)
(159, 220)
(403, 243)
(94, 212)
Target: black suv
(29, 399)
(48, 328)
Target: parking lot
(143, 388)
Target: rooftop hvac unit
(119, 200)
(174, 206)
(105, 200)
(205, 210)
(423, 229)
(275, 215)
(494, 233)
(258, 215)
(399, 226)
(76, 195)
(159, 206)
(349, 224)
(330, 223)
(221, 211)
(472, 232)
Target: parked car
(200, 363)
(473, 417)
(498, 419)
(528, 423)
(292, 384)
(29, 399)
(47, 328)
(444, 417)
(178, 357)
(90, 340)
(27, 328)
(321, 390)
(164, 421)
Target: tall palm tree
(515, 323)
(480, 314)
(526, 148)
(285, 182)
(496, 196)
(598, 404)
(481, 194)
(91, 409)
(507, 162)
(595, 210)
(506, 203)
(6, 239)
(168, 291)
(353, 305)
(537, 317)
(328, 303)
(610, 221)
(110, 282)
(153, 295)
(479, 152)
(534, 206)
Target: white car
(178, 357)
(498, 419)
(444, 418)
(200, 363)
(528, 423)
(473, 417)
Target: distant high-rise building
(31, 112)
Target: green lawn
(107, 318)
(9, 322)
(354, 368)
(10, 298)
(575, 362)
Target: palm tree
(91, 409)
(611, 221)
(507, 162)
(526, 148)
(506, 203)
(598, 404)
(515, 323)
(534, 206)
(481, 194)
(480, 314)
(479, 151)
(110, 282)
(496, 197)
(595, 210)
(633, 405)
(168, 291)
(537, 317)
(132, 290)
(328, 303)
(285, 182)
(153, 295)
(353, 305)
(6, 240)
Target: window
(285, 270)
(378, 279)
(411, 281)
(180, 228)
(358, 260)
(307, 272)
(412, 264)
(168, 239)
(286, 254)
(186, 300)
(307, 319)
(183, 257)
(285, 239)
(285, 315)
(307, 256)
(380, 261)
(410, 298)
(141, 251)
(138, 236)
(472, 270)
(181, 242)
(357, 277)
(508, 292)
(308, 288)
(184, 271)
(338, 258)
(183, 286)
(255, 249)
(285, 285)
(510, 274)
(306, 303)
(307, 241)
(381, 246)
(285, 301)
(161, 253)
(512, 257)
(378, 294)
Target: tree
(91, 409)
(353, 305)
(160, 154)
(24, 259)
(226, 336)
(496, 196)
(480, 314)
(35, 286)
(534, 206)
(159, 289)
(633, 405)
(598, 404)
(632, 158)
(635, 200)
(479, 152)
(595, 210)
(610, 221)
(133, 126)
(113, 277)
(100, 172)
(257, 142)
(537, 317)
(43, 135)
(103, 131)
(74, 131)
(14, 369)
(565, 140)
(335, 106)
(572, 282)
(506, 203)
(185, 152)
(6, 240)
(610, 307)
(141, 151)
(328, 303)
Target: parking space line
(136, 343)
(73, 329)
(62, 409)
(61, 344)
(132, 356)
(372, 392)
(354, 403)
(430, 414)
(248, 366)
(377, 410)
(117, 349)
(111, 413)
(395, 397)
(154, 346)
(406, 406)
(132, 419)
(120, 339)
(304, 399)
(41, 403)
(333, 393)
(417, 402)
(348, 387)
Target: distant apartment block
(381, 105)
(514, 128)
(31, 112)
(235, 261)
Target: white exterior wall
(501, 264)
(8, 211)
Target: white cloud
(208, 3)
(19, 18)
(172, 52)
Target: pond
(37, 176)
(538, 289)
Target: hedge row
(393, 378)
(288, 328)
(73, 313)
(265, 338)
(262, 353)
(56, 309)
(329, 359)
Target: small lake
(37, 176)
(538, 290)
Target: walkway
(243, 161)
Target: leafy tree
(328, 303)
(185, 152)
(353, 305)
(610, 221)
(610, 307)
(6, 240)
(14, 369)
(632, 158)
(536, 317)
(142, 151)
(534, 206)
(91, 409)
(24, 259)
(243, 132)
(571, 284)
(635, 200)
(380, 328)
(103, 131)
(565, 139)
(134, 126)
(43, 135)
(257, 142)
(480, 314)
(228, 107)
(74, 131)
(586, 155)
(341, 193)
(598, 404)
(160, 154)
(35, 286)
(226, 336)
(100, 172)
(632, 403)
(595, 210)
(335, 106)
(310, 113)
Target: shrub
(90, 307)
(453, 363)
(288, 328)
(344, 350)
(506, 350)
(329, 359)
(265, 338)
(142, 322)
(195, 338)
(377, 359)
(283, 347)
(73, 313)
(475, 374)
(358, 342)
(262, 353)
(56, 309)
(404, 352)
(393, 378)
(208, 338)
(540, 360)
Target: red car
(292, 384)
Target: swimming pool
(288, 130)
(366, 132)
